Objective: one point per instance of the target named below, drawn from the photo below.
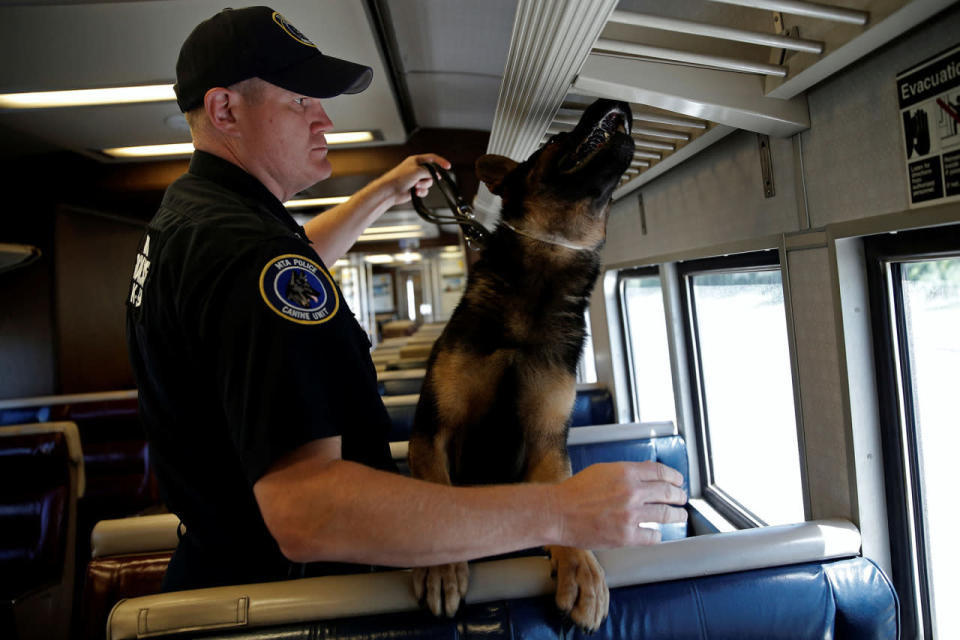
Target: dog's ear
(492, 169)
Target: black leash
(475, 233)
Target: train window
(645, 334)
(915, 294)
(743, 388)
(587, 365)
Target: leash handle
(474, 232)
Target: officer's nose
(320, 121)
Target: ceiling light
(346, 137)
(315, 202)
(379, 258)
(394, 228)
(341, 263)
(186, 148)
(87, 97)
(389, 236)
(409, 256)
(180, 149)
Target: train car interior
(777, 316)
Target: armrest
(268, 604)
(142, 534)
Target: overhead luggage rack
(692, 72)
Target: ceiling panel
(452, 54)
(128, 43)
(463, 36)
(453, 100)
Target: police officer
(256, 385)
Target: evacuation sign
(929, 95)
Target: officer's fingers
(432, 157)
(660, 513)
(665, 493)
(646, 535)
(424, 184)
(654, 471)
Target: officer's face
(285, 133)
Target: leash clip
(474, 232)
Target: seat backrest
(116, 457)
(636, 442)
(401, 382)
(41, 476)
(628, 442)
(23, 415)
(129, 559)
(593, 405)
(34, 493)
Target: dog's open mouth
(614, 121)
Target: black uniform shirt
(243, 350)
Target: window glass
(646, 334)
(748, 392)
(587, 365)
(931, 301)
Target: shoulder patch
(297, 289)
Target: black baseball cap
(237, 44)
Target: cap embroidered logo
(291, 30)
(296, 288)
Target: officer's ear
(218, 104)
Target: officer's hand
(411, 174)
(606, 505)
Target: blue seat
(593, 405)
(842, 599)
(24, 415)
(669, 450)
(848, 598)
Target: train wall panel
(27, 362)
(716, 197)
(853, 153)
(853, 166)
(94, 262)
(828, 468)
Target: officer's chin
(322, 167)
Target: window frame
(625, 333)
(909, 551)
(724, 503)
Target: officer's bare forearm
(319, 507)
(347, 512)
(333, 232)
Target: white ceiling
(451, 57)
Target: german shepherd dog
(501, 379)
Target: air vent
(692, 76)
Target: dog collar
(549, 239)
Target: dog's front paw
(441, 588)
(581, 586)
